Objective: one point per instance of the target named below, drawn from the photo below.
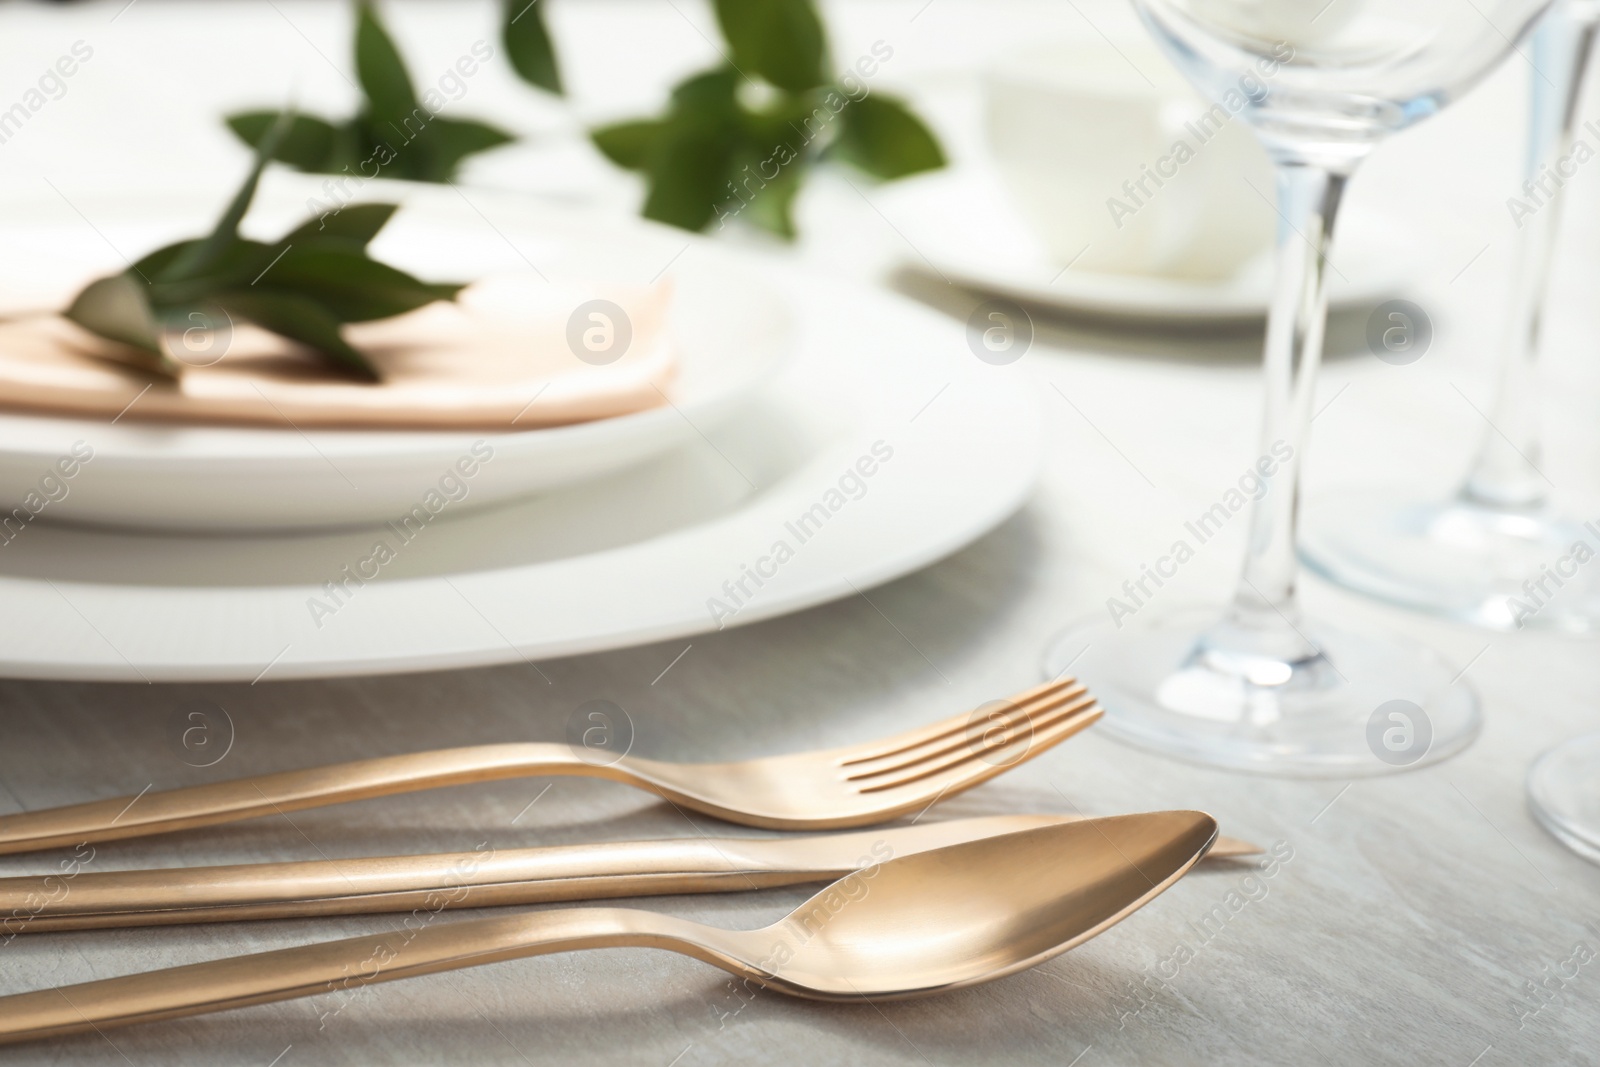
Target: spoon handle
(342, 969)
(269, 794)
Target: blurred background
(147, 110)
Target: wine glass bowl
(1259, 686)
(1331, 79)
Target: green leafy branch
(396, 132)
(304, 286)
(528, 45)
(739, 139)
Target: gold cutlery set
(910, 910)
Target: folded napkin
(512, 351)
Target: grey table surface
(1406, 927)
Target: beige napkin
(505, 353)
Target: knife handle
(417, 884)
(73, 899)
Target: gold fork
(832, 789)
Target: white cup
(1304, 24)
(1122, 167)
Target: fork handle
(246, 798)
(342, 968)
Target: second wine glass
(1262, 687)
(1502, 552)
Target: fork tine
(1029, 719)
(976, 766)
(961, 775)
(1071, 719)
(960, 778)
(885, 747)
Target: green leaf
(772, 206)
(380, 69)
(117, 307)
(405, 146)
(627, 144)
(689, 158)
(882, 137)
(155, 263)
(348, 154)
(709, 99)
(309, 143)
(302, 287)
(792, 121)
(781, 41)
(452, 140)
(298, 318)
(351, 286)
(200, 255)
(237, 264)
(403, 136)
(689, 172)
(382, 143)
(359, 223)
(527, 43)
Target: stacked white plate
(821, 439)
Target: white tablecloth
(1416, 908)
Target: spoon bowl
(974, 912)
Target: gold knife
(485, 877)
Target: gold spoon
(919, 924)
(485, 878)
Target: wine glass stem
(1264, 611)
(1505, 472)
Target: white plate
(646, 554)
(962, 225)
(731, 329)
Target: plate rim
(1112, 296)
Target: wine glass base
(1497, 568)
(1364, 706)
(1564, 793)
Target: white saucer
(963, 225)
(732, 332)
(658, 551)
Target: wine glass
(1262, 687)
(1499, 552)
